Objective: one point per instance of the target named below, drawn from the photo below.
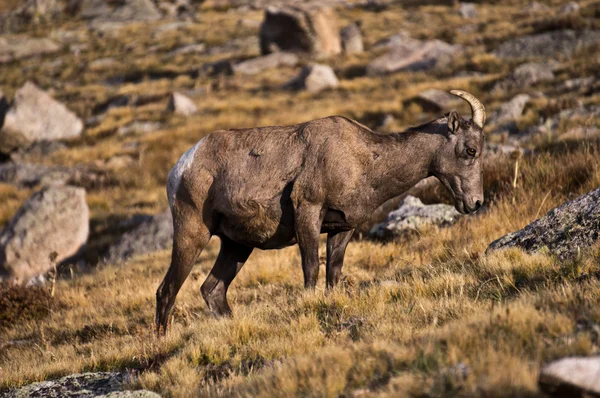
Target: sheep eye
(471, 151)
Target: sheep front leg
(308, 227)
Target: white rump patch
(176, 173)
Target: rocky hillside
(98, 99)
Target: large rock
(301, 28)
(115, 11)
(181, 105)
(564, 230)
(413, 55)
(526, 75)
(35, 116)
(14, 48)
(53, 220)
(352, 41)
(548, 44)
(571, 377)
(314, 78)
(102, 384)
(413, 215)
(154, 234)
(269, 61)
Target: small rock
(138, 128)
(577, 84)
(526, 75)
(510, 111)
(571, 377)
(53, 220)
(564, 230)
(84, 385)
(35, 116)
(14, 48)
(301, 28)
(569, 8)
(548, 44)
(413, 55)
(181, 105)
(314, 78)
(270, 61)
(102, 64)
(152, 235)
(198, 48)
(434, 100)
(467, 10)
(352, 41)
(413, 215)
(536, 8)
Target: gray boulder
(564, 230)
(101, 384)
(314, 78)
(269, 61)
(571, 377)
(352, 41)
(526, 75)
(308, 28)
(548, 44)
(35, 116)
(413, 215)
(152, 235)
(14, 48)
(53, 220)
(413, 55)
(181, 105)
(511, 110)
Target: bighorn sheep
(270, 187)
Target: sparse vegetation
(408, 312)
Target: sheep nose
(478, 204)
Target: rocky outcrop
(14, 48)
(83, 385)
(407, 54)
(352, 41)
(301, 28)
(571, 377)
(35, 116)
(50, 227)
(154, 234)
(548, 44)
(270, 61)
(564, 230)
(181, 105)
(412, 215)
(314, 78)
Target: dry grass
(408, 311)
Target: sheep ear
(453, 122)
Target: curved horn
(477, 108)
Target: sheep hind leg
(231, 259)
(190, 237)
(336, 248)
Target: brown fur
(271, 187)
